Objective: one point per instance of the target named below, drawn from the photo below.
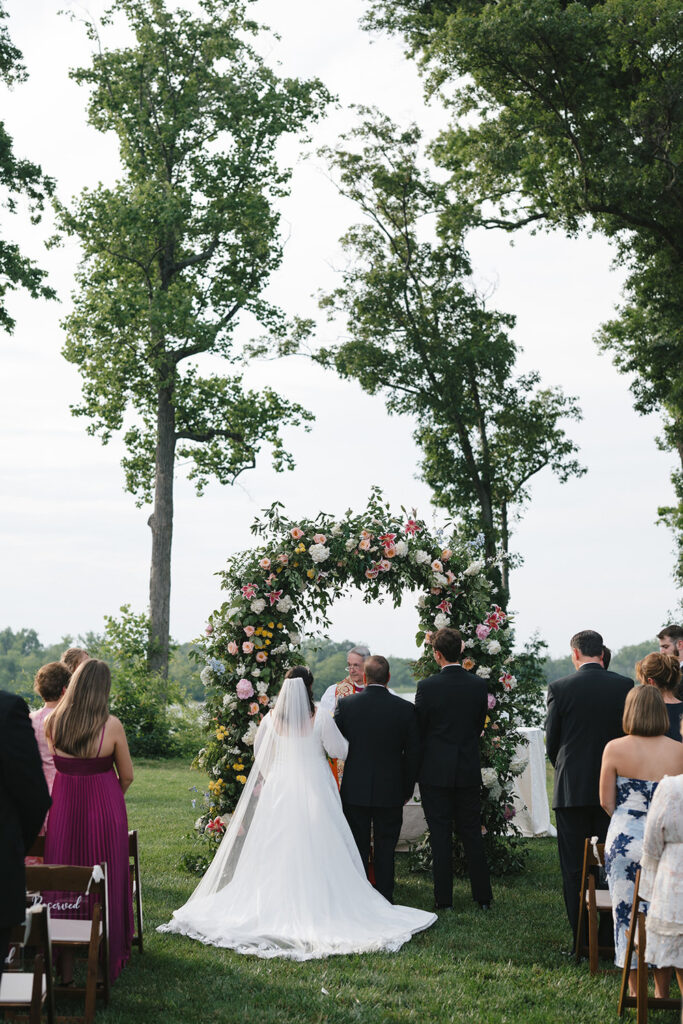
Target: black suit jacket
(584, 714)
(451, 710)
(24, 802)
(384, 748)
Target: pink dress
(88, 824)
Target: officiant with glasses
(353, 682)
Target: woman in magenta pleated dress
(88, 821)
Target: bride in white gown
(287, 880)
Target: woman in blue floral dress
(631, 768)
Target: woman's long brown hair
(77, 721)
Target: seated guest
(73, 656)
(50, 683)
(24, 801)
(664, 672)
(88, 822)
(661, 880)
(632, 766)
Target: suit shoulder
(618, 678)
(10, 703)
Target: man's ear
(388, 676)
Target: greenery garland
(292, 578)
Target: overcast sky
(75, 548)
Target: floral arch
(291, 578)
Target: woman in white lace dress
(662, 876)
(287, 880)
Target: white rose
(350, 544)
(518, 764)
(294, 638)
(250, 734)
(493, 647)
(401, 548)
(205, 675)
(421, 601)
(257, 605)
(441, 620)
(256, 672)
(319, 552)
(285, 604)
(474, 568)
(489, 777)
(440, 579)
(421, 557)
(231, 613)
(483, 671)
(336, 530)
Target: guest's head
(376, 670)
(671, 641)
(51, 681)
(447, 645)
(303, 672)
(78, 719)
(354, 663)
(645, 712)
(586, 646)
(73, 656)
(606, 656)
(660, 670)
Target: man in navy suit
(380, 769)
(24, 802)
(451, 710)
(585, 711)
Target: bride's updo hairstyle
(303, 672)
(662, 669)
(77, 721)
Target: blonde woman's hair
(78, 719)
(663, 669)
(645, 712)
(73, 656)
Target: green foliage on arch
(290, 580)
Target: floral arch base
(291, 578)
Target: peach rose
(262, 656)
(319, 538)
(253, 708)
(265, 563)
(296, 533)
(365, 544)
(247, 647)
(249, 630)
(233, 648)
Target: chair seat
(603, 900)
(16, 989)
(66, 931)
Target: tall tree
(173, 252)
(19, 179)
(571, 114)
(421, 336)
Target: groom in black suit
(380, 769)
(451, 710)
(585, 711)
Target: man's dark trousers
(574, 825)
(386, 827)
(444, 807)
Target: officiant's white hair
(361, 650)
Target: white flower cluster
(489, 777)
(493, 647)
(336, 530)
(257, 605)
(421, 557)
(441, 620)
(440, 579)
(285, 604)
(250, 734)
(294, 638)
(205, 675)
(421, 601)
(262, 687)
(280, 649)
(483, 671)
(350, 544)
(474, 568)
(229, 701)
(401, 548)
(318, 552)
(231, 613)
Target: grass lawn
(503, 966)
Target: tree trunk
(161, 524)
(504, 543)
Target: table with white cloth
(530, 797)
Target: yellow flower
(258, 631)
(271, 625)
(280, 625)
(268, 642)
(296, 563)
(488, 719)
(310, 573)
(238, 767)
(241, 778)
(300, 548)
(279, 569)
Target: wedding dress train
(287, 880)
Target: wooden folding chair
(642, 1000)
(78, 934)
(30, 990)
(591, 901)
(136, 891)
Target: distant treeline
(22, 654)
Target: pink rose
(249, 630)
(283, 558)
(247, 647)
(244, 689)
(209, 630)
(364, 544)
(265, 563)
(262, 656)
(233, 648)
(296, 533)
(253, 708)
(319, 538)
(483, 631)
(491, 702)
